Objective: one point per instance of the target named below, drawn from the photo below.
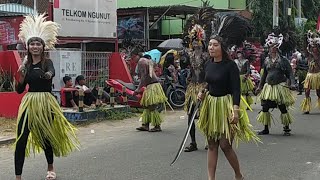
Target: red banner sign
(9, 29)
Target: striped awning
(10, 9)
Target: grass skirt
(192, 94)
(46, 122)
(312, 81)
(277, 93)
(246, 85)
(306, 105)
(215, 114)
(152, 95)
(249, 100)
(265, 118)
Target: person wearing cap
(274, 88)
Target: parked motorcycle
(133, 100)
(175, 92)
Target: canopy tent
(12, 9)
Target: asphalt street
(116, 151)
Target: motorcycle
(175, 92)
(133, 100)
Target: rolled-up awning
(12, 9)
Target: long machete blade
(187, 133)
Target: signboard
(94, 18)
(66, 63)
(131, 27)
(9, 29)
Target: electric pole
(35, 7)
(275, 22)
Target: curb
(7, 140)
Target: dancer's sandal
(191, 147)
(155, 129)
(143, 128)
(51, 175)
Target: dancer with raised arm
(41, 123)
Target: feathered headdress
(198, 26)
(230, 29)
(313, 39)
(37, 26)
(197, 33)
(274, 40)
(282, 38)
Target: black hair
(79, 78)
(169, 60)
(66, 79)
(147, 56)
(225, 54)
(29, 56)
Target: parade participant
(312, 80)
(198, 57)
(196, 38)
(301, 71)
(39, 113)
(169, 70)
(222, 119)
(275, 93)
(246, 83)
(153, 96)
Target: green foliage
(310, 9)
(262, 16)
(262, 19)
(136, 110)
(6, 81)
(300, 38)
(117, 115)
(310, 25)
(112, 115)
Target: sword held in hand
(195, 112)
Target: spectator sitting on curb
(70, 94)
(89, 99)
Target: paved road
(117, 152)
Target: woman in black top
(39, 113)
(222, 119)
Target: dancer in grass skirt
(246, 83)
(153, 96)
(41, 124)
(312, 80)
(275, 84)
(222, 118)
(197, 32)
